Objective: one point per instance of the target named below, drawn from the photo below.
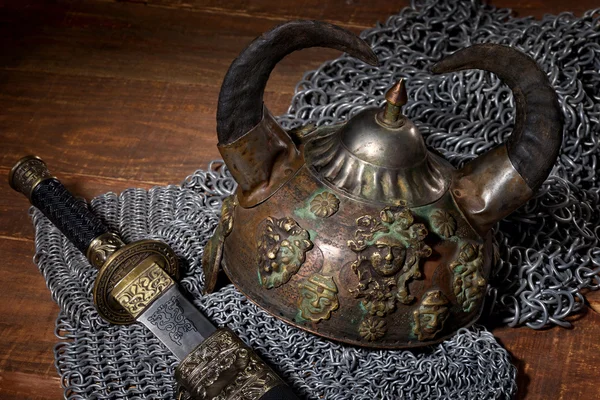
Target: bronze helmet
(357, 232)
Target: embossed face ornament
(469, 283)
(383, 280)
(282, 248)
(318, 298)
(387, 255)
(429, 318)
(356, 231)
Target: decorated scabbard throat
(223, 367)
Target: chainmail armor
(549, 248)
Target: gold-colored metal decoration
(227, 211)
(318, 298)
(224, 368)
(443, 223)
(324, 204)
(27, 173)
(469, 282)
(282, 248)
(388, 253)
(213, 251)
(376, 158)
(372, 329)
(102, 247)
(140, 287)
(429, 318)
(119, 265)
(211, 259)
(395, 98)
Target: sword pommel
(31, 177)
(27, 173)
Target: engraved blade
(176, 322)
(151, 296)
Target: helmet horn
(240, 105)
(498, 182)
(259, 153)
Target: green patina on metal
(282, 250)
(468, 277)
(388, 252)
(430, 316)
(318, 298)
(321, 204)
(443, 223)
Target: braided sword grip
(31, 177)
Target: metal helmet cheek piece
(357, 232)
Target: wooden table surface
(123, 94)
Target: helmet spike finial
(395, 98)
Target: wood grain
(593, 299)
(556, 363)
(27, 315)
(352, 13)
(123, 94)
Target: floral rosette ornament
(324, 204)
(378, 244)
(372, 329)
(443, 223)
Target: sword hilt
(71, 216)
(105, 250)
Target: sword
(137, 282)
